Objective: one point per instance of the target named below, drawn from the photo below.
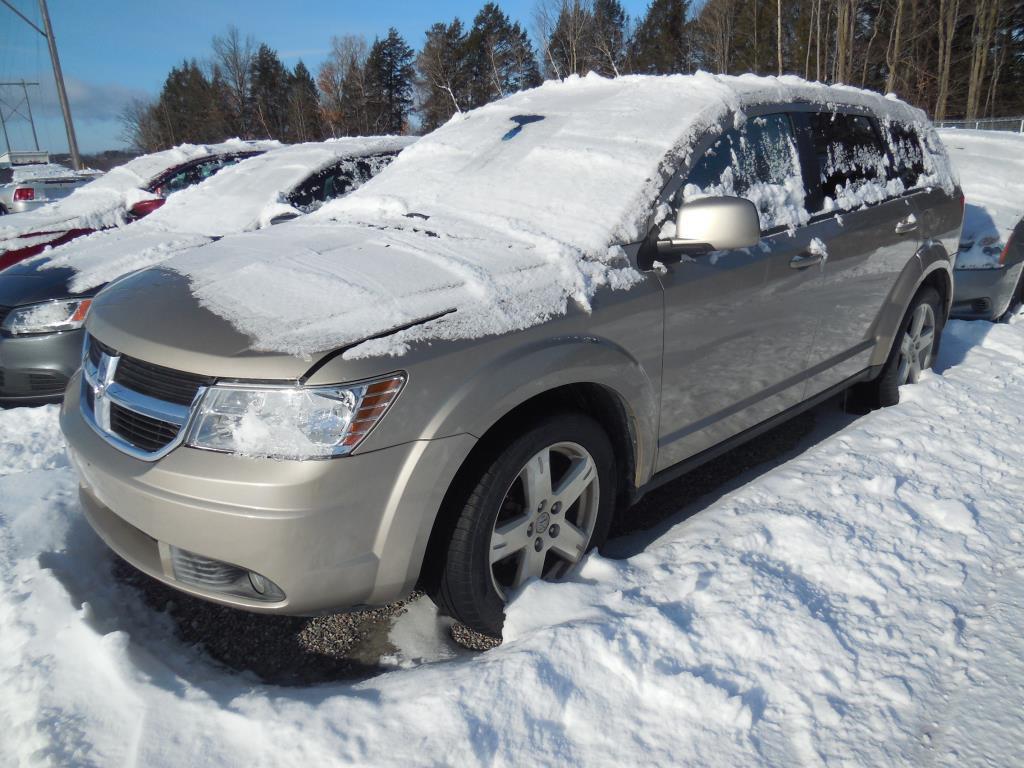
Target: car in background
(44, 301)
(453, 378)
(989, 274)
(28, 187)
(120, 196)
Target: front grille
(156, 381)
(981, 305)
(143, 432)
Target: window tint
(337, 180)
(850, 156)
(908, 154)
(759, 162)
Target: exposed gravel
(348, 646)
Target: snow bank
(505, 213)
(105, 201)
(244, 197)
(991, 167)
(856, 605)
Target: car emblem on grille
(104, 378)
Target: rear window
(759, 162)
(852, 161)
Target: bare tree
(893, 53)
(716, 24)
(982, 36)
(339, 78)
(949, 15)
(233, 54)
(140, 128)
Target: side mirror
(713, 224)
(281, 218)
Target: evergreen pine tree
(305, 123)
(187, 109)
(661, 45)
(270, 89)
(442, 74)
(389, 84)
(501, 60)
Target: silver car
(25, 189)
(447, 380)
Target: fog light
(258, 582)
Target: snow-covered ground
(991, 169)
(860, 604)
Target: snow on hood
(991, 168)
(517, 207)
(104, 202)
(244, 197)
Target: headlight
(291, 422)
(47, 317)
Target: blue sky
(114, 50)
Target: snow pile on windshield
(861, 604)
(105, 201)
(41, 171)
(507, 213)
(240, 198)
(991, 167)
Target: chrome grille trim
(100, 391)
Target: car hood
(152, 315)
(31, 281)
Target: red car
(119, 197)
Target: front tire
(543, 502)
(913, 351)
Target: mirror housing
(281, 218)
(713, 224)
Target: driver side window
(759, 162)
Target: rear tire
(540, 505)
(1016, 301)
(914, 351)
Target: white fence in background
(1011, 124)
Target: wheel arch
(599, 401)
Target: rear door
(739, 325)
(871, 230)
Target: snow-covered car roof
(991, 168)
(250, 193)
(244, 197)
(505, 213)
(105, 201)
(47, 171)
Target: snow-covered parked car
(989, 274)
(27, 187)
(119, 197)
(455, 376)
(44, 301)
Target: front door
(739, 325)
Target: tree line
(953, 58)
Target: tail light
(145, 207)
(24, 193)
(1006, 250)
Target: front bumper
(984, 294)
(34, 370)
(332, 534)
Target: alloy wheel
(917, 345)
(546, 519)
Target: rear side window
(337, 180)
(852, 162)
(907, 153)
(759, 162)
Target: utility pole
(16, 111)
(58, 76)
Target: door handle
(907, 226)
(805, 260)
